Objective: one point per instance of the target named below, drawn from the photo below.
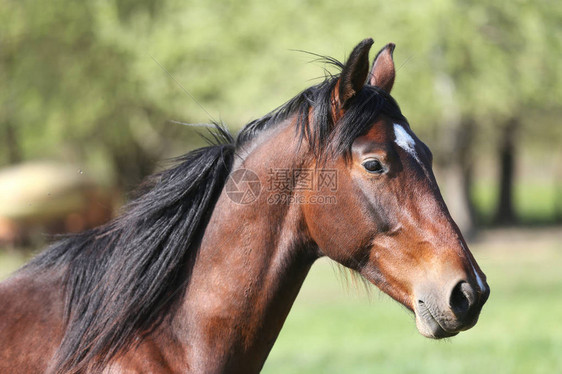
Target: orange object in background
(41, 199)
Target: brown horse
(200, 272)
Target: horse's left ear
(383, 72)
(354, 74)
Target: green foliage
(80, 80)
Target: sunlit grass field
(337, 327)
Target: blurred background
(91, 93)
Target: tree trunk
(13, 151)
(505, 212)
(456, 154)
(132, 165)
(459, 177)
(558, 188)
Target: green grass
(337, 328)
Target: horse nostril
(462, 298)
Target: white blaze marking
(478, 279)
(405, 141)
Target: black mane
(323, 137)
(122, 279)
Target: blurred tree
(69, 90)
(82, 81)
(528, 36)
(492, 63)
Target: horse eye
(373, 166)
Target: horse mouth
(428, 325)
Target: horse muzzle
(445, 314)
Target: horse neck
(252, 262)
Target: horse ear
(383, 73)
(354, 74)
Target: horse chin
(428, 325)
